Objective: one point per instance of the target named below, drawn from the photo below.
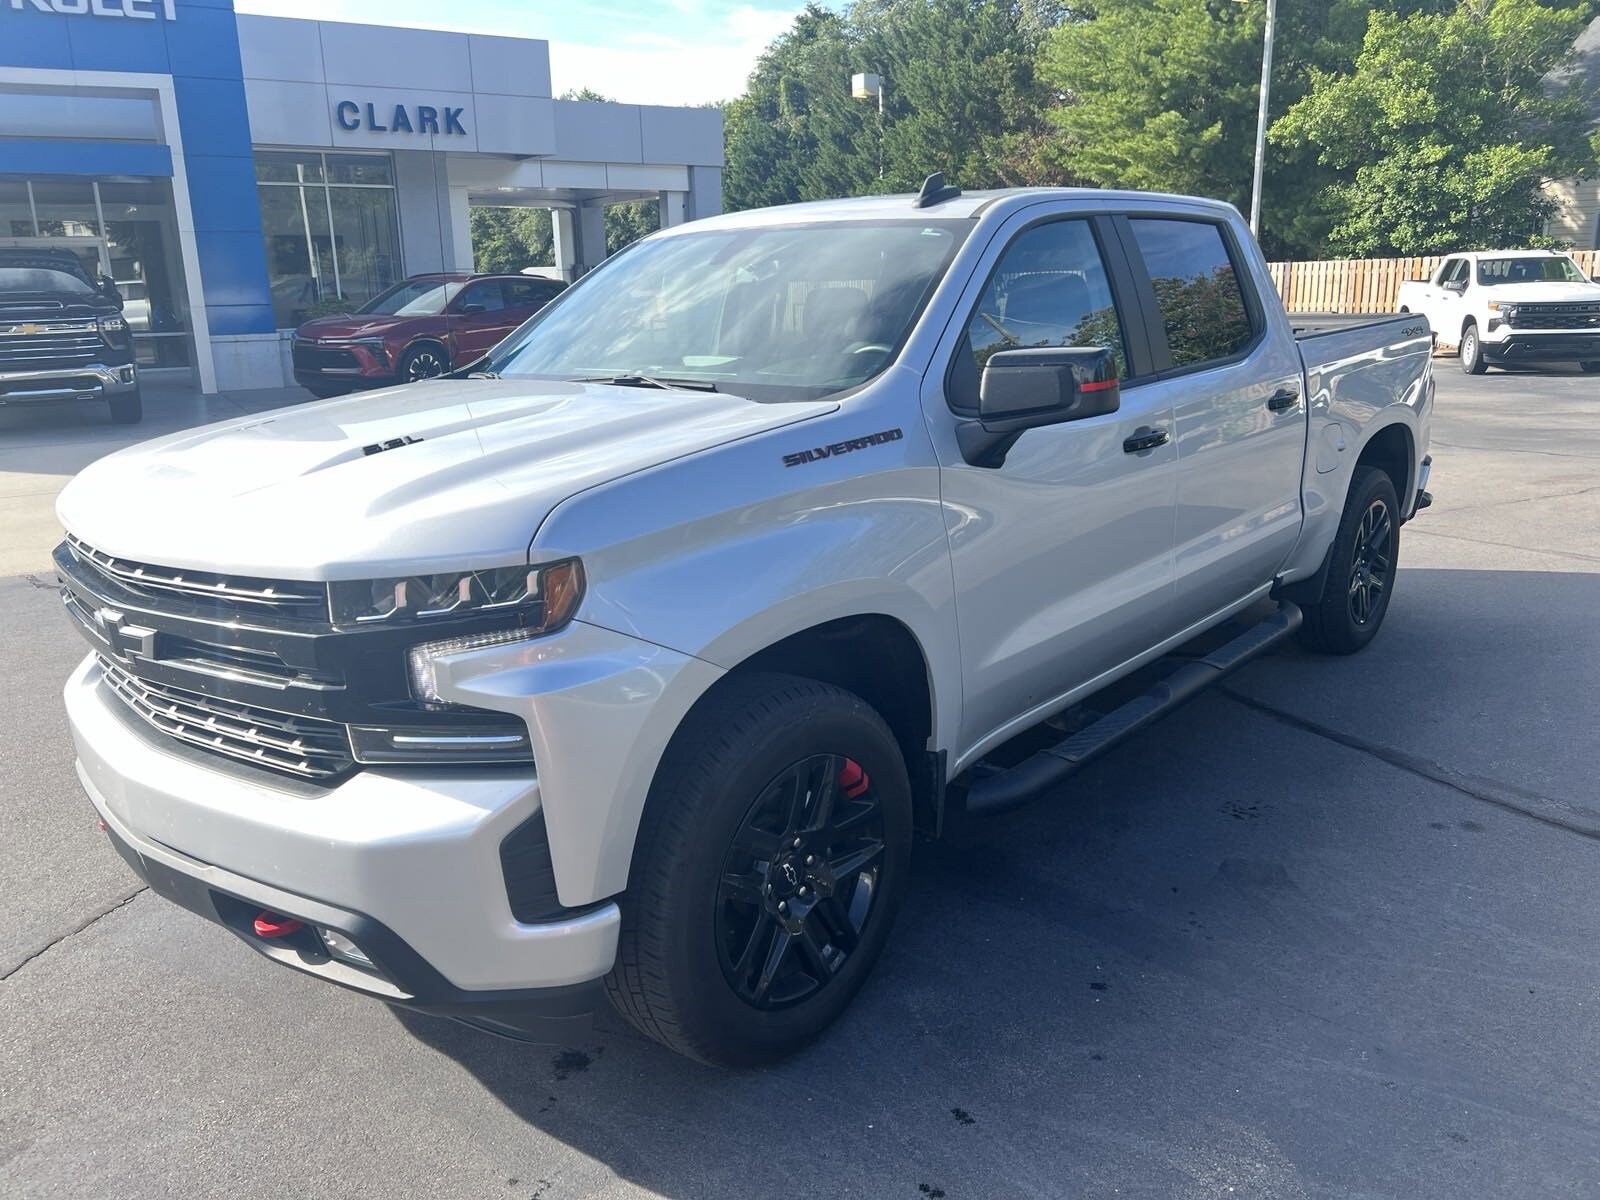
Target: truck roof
(902, 207)
(1476, 254)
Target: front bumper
(342, 364)
(94, 381)
(406, 859)
(1544, 347)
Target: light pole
(866, 87)
(1261, 116)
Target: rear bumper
(1544, 347)
(410, 858)
(94, 381)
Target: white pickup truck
(632, 657)
(1510, 306)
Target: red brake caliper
(852, 779)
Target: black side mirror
(107, 287)
(1456, 285)
(1028, 389)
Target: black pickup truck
(63, 335)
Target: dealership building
(232, 172)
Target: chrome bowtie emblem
(790, 875)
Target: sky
(661, 52)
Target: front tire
(424, 361)
(770, 863)
(1362, 568)
(1471, 350)
(127, 410)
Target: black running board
(1013, 787)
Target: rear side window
(1197, 289)
(485, 295)
(1050, 288)
(526, 293)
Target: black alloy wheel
(1372, 565)
(799, 882)
(424, 362)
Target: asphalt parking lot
(1329, 932)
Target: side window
(1197, 289)
(485, 295)
(530, 293)
(1447, 270)
(1050, 288)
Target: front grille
(1557, 316)
(308, 747)
(310, 357)
(26, 345)
(240, 593)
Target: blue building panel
(35, 156)
(205, 42)
(226, 319)
(34, 39)
(222, 195)
(233, 274)
(212, 115)
(118, 45)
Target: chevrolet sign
(139, 10)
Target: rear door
(1062, 554)
(524, 297)
(1233, 383)
(479, 320)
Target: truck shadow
(1234, 952)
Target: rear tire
(1362, 568)
(737, 946)
(127, 410)
(1471, 351)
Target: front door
(1063, 554)
(479, 320)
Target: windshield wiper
(652, 381)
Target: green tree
(1161, 95)
(1447, 126)
(504, 240)
(962, 97)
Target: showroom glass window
(332, 237)
(125, 229)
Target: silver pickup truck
(633, 657)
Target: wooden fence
(1366, 285)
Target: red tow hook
(275, 925)
(852, 779)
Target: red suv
(417, 329)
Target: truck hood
(1545, 293)
(432, 476)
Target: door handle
(1144, 439)
(1283, 398)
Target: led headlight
(548, 594)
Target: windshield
(1555, 269)
(413, 298)
(52, 278)
(776, 313)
